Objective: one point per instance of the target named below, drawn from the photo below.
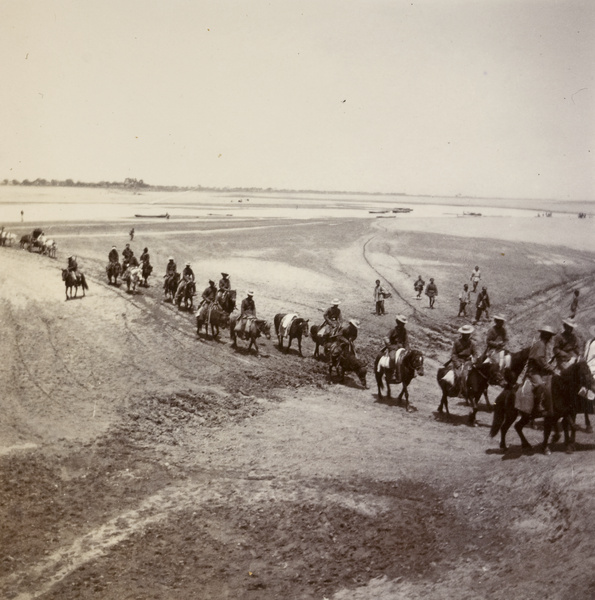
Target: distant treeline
(139, 184)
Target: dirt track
(141, 462)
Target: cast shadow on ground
(394, 402)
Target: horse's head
(303, 327)
(265, 328)
(64, 274)
(415, 359)
(361, 372)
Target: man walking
(482, 304)
(379, 295)
(464, 299)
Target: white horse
(49, 247)
(132, 276)
(7, 238)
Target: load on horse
(217, 313)
(292, 326)
(399, 367)
(252, 330)
(342, 358)
(36, 240)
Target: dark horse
(319, 340)
(113, 270)
(170, 285)
(25, 240)
(187, 296)
(343, 359)
(564, 390)
(254, 328)
(211, 314)
(411, 364)
(476, 385)
(71, 280)
(298, 327)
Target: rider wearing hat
(127, 254)
(187, 277)
(539, 370)
(464, 352)
(113, 255)
(567, 345)
(397, 337)
(224, 282)
(170, 270)
(209, 294)
(496, 338)
(332, 317)
(145, 257)
(247, 309)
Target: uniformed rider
(332, 318)
(247, 309)
(170, 270)
(127, 254)
(209, 294)
(396, 339)
(145, 256)
(187, 277)
(567, 345)
(224, 282)
(73, 267)
(464, 353)
(539, 370)
(113, 255)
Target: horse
(71, 280)
(211, 313)
(132, 277)
(146, 270)
(254, 328)
(476, 385)
(170, 285)
(412, 364)
(7, 238)
(113, 270)
(227, 300)
(187, 296)
(49, 248)
(564, 390)
(345, 361)
(297, 328)
(25, 241)
(320, 339)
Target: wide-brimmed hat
(225, 274)
(466, 329)
(569, 323)
(188, 264)
(113, 248)
(401, 319)
(354, 322)
(546, 329)
(499, 318)
(170, 258)
(250, 293)
(336, 302)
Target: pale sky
(472, 97)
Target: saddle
(242, 324)
(286, 323)
(392, 361)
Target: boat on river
(165, 216)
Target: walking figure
(482, 304)
(132, 234)
(418, 286)
(431, 292)
(379, 296)
(464, 299)
(574, 304)
(475, 277)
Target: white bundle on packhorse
(132, 276)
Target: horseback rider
(73, 267)
(170, 270)
(539, 371)
(133, 262)
(187, 277)
(247, 309)
(332, 318)
(210, 293)
(127, 254)
(224, 283)
(496, 342)
(567, 345)
(145, 257)
(113, 255)
(344, 341)
(463, 355)
(396, 339)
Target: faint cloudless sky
(471, 97)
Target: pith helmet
(170, 258)
(569, 323)
(547, 329)
(466, 329)
(355, 323)
(250, 293)
(401, 319)
(336, 302)
(499, 318)
(225, 274)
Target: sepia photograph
(296, 300)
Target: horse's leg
(588, 427)
(299, 340)
(569, 436)
(525, 418)
(289, 343)
(405, 394)
(489, 406)
(548, 424)
(509, 419)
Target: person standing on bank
(475, 277)
(464, 299)
(379, 295)
(432, 292)
(482, 304)
(418, 286)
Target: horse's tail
(499, 413)
(378, 373)
(84, 282)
